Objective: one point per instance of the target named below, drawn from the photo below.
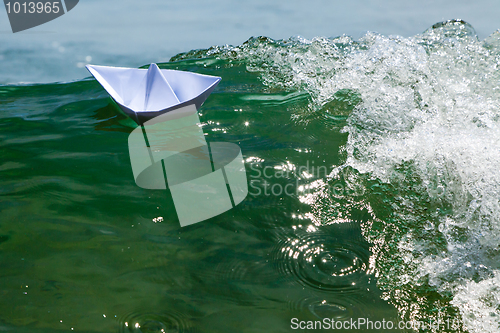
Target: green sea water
(388, 147)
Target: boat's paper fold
(146, 93)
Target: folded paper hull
(143, 94)
(141, 117)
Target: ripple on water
(339, 307)
(318, 259)
(322, 308)
(171, 322)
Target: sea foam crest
(428, 126)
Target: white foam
(433, 102)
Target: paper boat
(143, 94)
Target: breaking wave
(422, 116)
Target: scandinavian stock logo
(25, 15)
(205, 179)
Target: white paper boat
(143, 94)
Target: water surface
(390, 145)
